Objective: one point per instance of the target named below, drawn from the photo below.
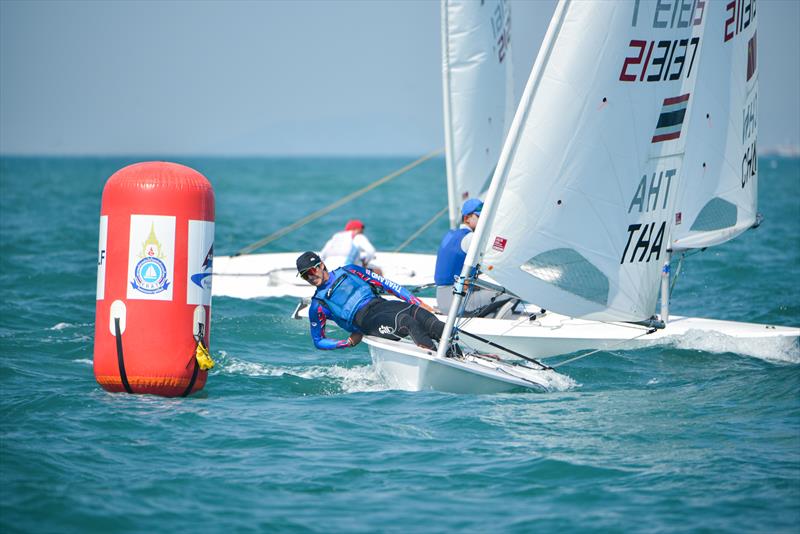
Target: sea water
(701, 435)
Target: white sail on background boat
(479, 105)
(601, 176)
(478, 94)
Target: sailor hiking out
(347, 295)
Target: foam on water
(357, 379)
(558, 382)
(774, 349)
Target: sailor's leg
(409, 325)
(432, 326)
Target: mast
(665, 275)
(472, 261)
(450, 165)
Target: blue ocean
(695, 437)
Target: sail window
(566, 269)
(715, 215)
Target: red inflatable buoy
(154, 280)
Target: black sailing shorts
(395, 319)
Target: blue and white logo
(150, 276)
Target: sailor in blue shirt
(347, 295)
(450, 260)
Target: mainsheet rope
(319, 213)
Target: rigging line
(676, 275)
(621, 324)
(265, 273)
(320, 212)
(684, 255)
(421, 229)
(511, 364)
(497, 346)
(607, 349)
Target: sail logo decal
(666, 65)
(662, 60)
(650, 201)
(499, 243)
(670, 121)
(501, 29)
(741, 14)
(751, 57)
(150, 273)
(749, 138)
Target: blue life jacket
(450, 258)
(344, 297)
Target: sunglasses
(311, 271)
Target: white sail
(478, 93)
(580, 211)
(718, 194)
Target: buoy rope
(195, 372)
(123, 376)
(320, 212)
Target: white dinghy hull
(538, 335)
(553, 334)
(408, 367)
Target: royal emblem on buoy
(150, 273)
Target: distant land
(784, 151)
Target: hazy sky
(329, 77)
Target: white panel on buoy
(101, 258)
(117, 311)
(151, 257)
(199, 322)
(200, 256)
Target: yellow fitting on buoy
(203, 357)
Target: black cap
(307, 260)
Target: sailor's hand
(354, 339)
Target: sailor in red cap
(350, 246)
